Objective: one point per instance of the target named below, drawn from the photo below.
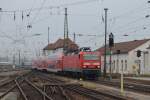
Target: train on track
(85, 64)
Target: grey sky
(124, 17)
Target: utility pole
(104, 71)
(111, 44)
(14, 62)
(48, 35)
(19, 58)
(74, 37)
(14, 59)
(65, 32)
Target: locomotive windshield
(90, 57)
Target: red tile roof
(125, 47)
(60, 44)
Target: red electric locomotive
(86, 64)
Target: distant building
(57, 47)
(127, 60)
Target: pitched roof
(148, 47)
(125, 47)
(60, 44)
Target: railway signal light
(139, 53)
(111, 40)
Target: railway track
(92, 94)
(145, 82)
(27, 89)
(10, 85)
(53, 87)
(40, 86)
(96, 95)
(136, 87)
(130, 84)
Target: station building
(58, 46)
(126, 60)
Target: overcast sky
(125, 17)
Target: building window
(114, 65)
(125, 65)
(117, 69)
(121, 64)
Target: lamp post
(122, 81)
(111, 44)
(48, 35)
(104, 70)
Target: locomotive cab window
(90, 57)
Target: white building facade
(127, 60)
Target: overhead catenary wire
(129, 23)
(130, 12)
(127, 14)
(23, 12)
(37, 14)
(43, 19)
(51, 7)
(128, 27)
(134, 30)
(31, 8)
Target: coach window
(125, 65)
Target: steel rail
(14, 86)
(8, 90)
(42, 76)
(64, 93)
(39, 90)
(131, 86)
(59, 84)
(6, 82)
(20, 89)
(96, 95)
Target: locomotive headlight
(84, 66)
(98, 66)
